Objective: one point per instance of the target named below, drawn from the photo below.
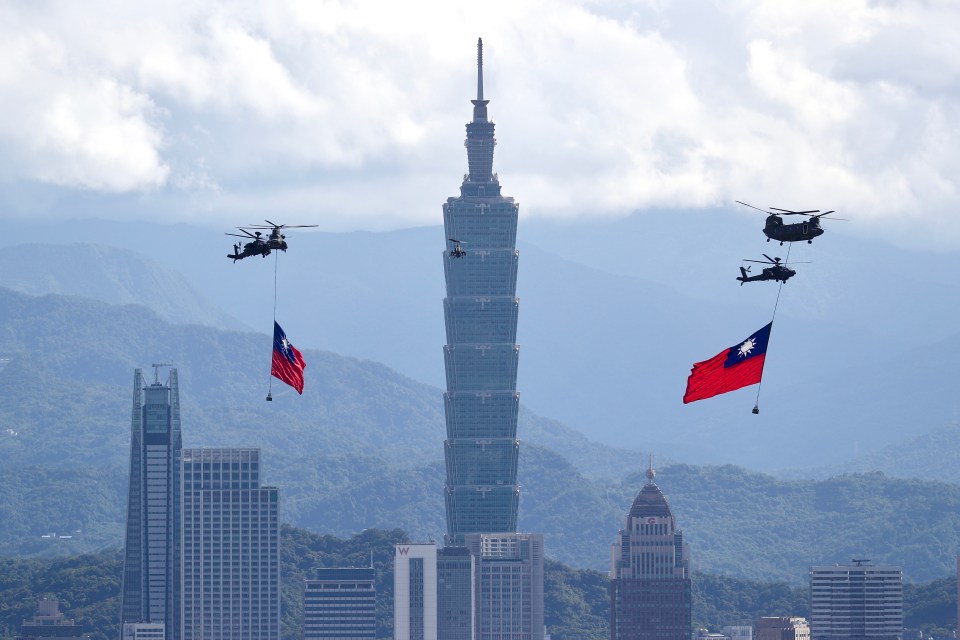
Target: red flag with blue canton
(288, 364)
(739, 366)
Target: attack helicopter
(457, 251)
(775, 229)
(777, 272)
(258, 245)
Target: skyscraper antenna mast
(156, 370)
(479, 68)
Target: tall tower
(650, 590)
(151, 563)
(480, 357)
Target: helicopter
(777, 272)
(775, 229)
(256, 246)
(262, 246)
(277, 240)
(457, 251)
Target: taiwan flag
(288, 364)
(739, 366)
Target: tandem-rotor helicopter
(457, 251)
(779, 271)
(775, 229)
(257, 245)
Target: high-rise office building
(340, 604)
(230, 547)
(415, 592)
(150, 564)
(481, 353)
(510, 585)
(783, 628)
(857, 601)
(650, 588)
(456, 593)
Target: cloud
(70, 126)
(354, 112)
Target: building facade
(856, 601)
(738, 631)
(150, 563)
(650, 587)
(481, 355)
(144, 631)
(340, 604)
(783, 628)
(415, 592)
(456, 593)
(510, 585)
(50, 624)
(230, 546)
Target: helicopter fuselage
(777, 273)
(255, 248)
(807, 230)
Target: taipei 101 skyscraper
(480, 357)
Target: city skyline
(481, 451)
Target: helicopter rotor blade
(246, 232)
(281, 226)
(752, 207)
(237, 235)
(787, 212)
(759, 261)
(831, 217)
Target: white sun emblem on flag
(286, 344)
(746, 348)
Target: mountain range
(612, 316)
(362, 448)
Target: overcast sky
(351, 115)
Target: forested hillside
(576, 600)
(362, 448)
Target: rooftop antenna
(651, 474)
(156, 371)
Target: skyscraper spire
(479, 68)
(480, 105)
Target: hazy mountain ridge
(609, 354)
(112, 275)
(932, 456)
(363, 448)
